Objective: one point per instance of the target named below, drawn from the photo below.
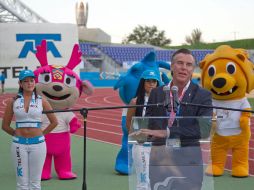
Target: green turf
(251, 100)
(227, 182)
(100, 164)
(100, 172)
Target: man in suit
(176, 159)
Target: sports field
(104, 137)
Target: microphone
(174, 91)
(166, 90)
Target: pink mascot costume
(62, 87)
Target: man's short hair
(182, 50)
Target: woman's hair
(140, 94)
(20, 91)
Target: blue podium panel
(170, 158)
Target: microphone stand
(216, 107)
(84, 113)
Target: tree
(195, 37)
(147, 35)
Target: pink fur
(41, 53)
(75, 57)
(87, 87)
(74, 125)
(58, 146)
(59, 143)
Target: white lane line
(81, 136)
(109, 132)
(4, 101)
(87, 99)
(105, 99)
(116, 111)
(106, 114)
(89, 121)
(107, 118)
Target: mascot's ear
(75, 57)
(150, 57)
(201, 64)
(41, 53)
(240, 56)
(87, 87)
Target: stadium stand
(87, 49)
(163, 55)
(200, 54)
(126, 53)
(121, 53)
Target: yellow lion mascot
(228, 74)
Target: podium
(169, 160)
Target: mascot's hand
(165, 78)
(74, 125)
(133, 101)
(245, 122)
(214, 126)
(87, 87)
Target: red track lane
(105, 125)
(102, 136)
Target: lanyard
(172, 113)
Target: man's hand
(154, 133)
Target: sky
(218, 20)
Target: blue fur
(127, 86)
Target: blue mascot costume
(127, 86)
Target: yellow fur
(225, 83)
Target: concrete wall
(93, 35)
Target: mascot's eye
(211, 70)
(70, 81)
(231, 68)
(44, 78)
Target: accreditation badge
(173, 143)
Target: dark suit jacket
(187, 129)
(186, 161)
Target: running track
(105, 125)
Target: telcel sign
(18, 46)
(33, 40)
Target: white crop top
(145, 103)
(33, 117)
